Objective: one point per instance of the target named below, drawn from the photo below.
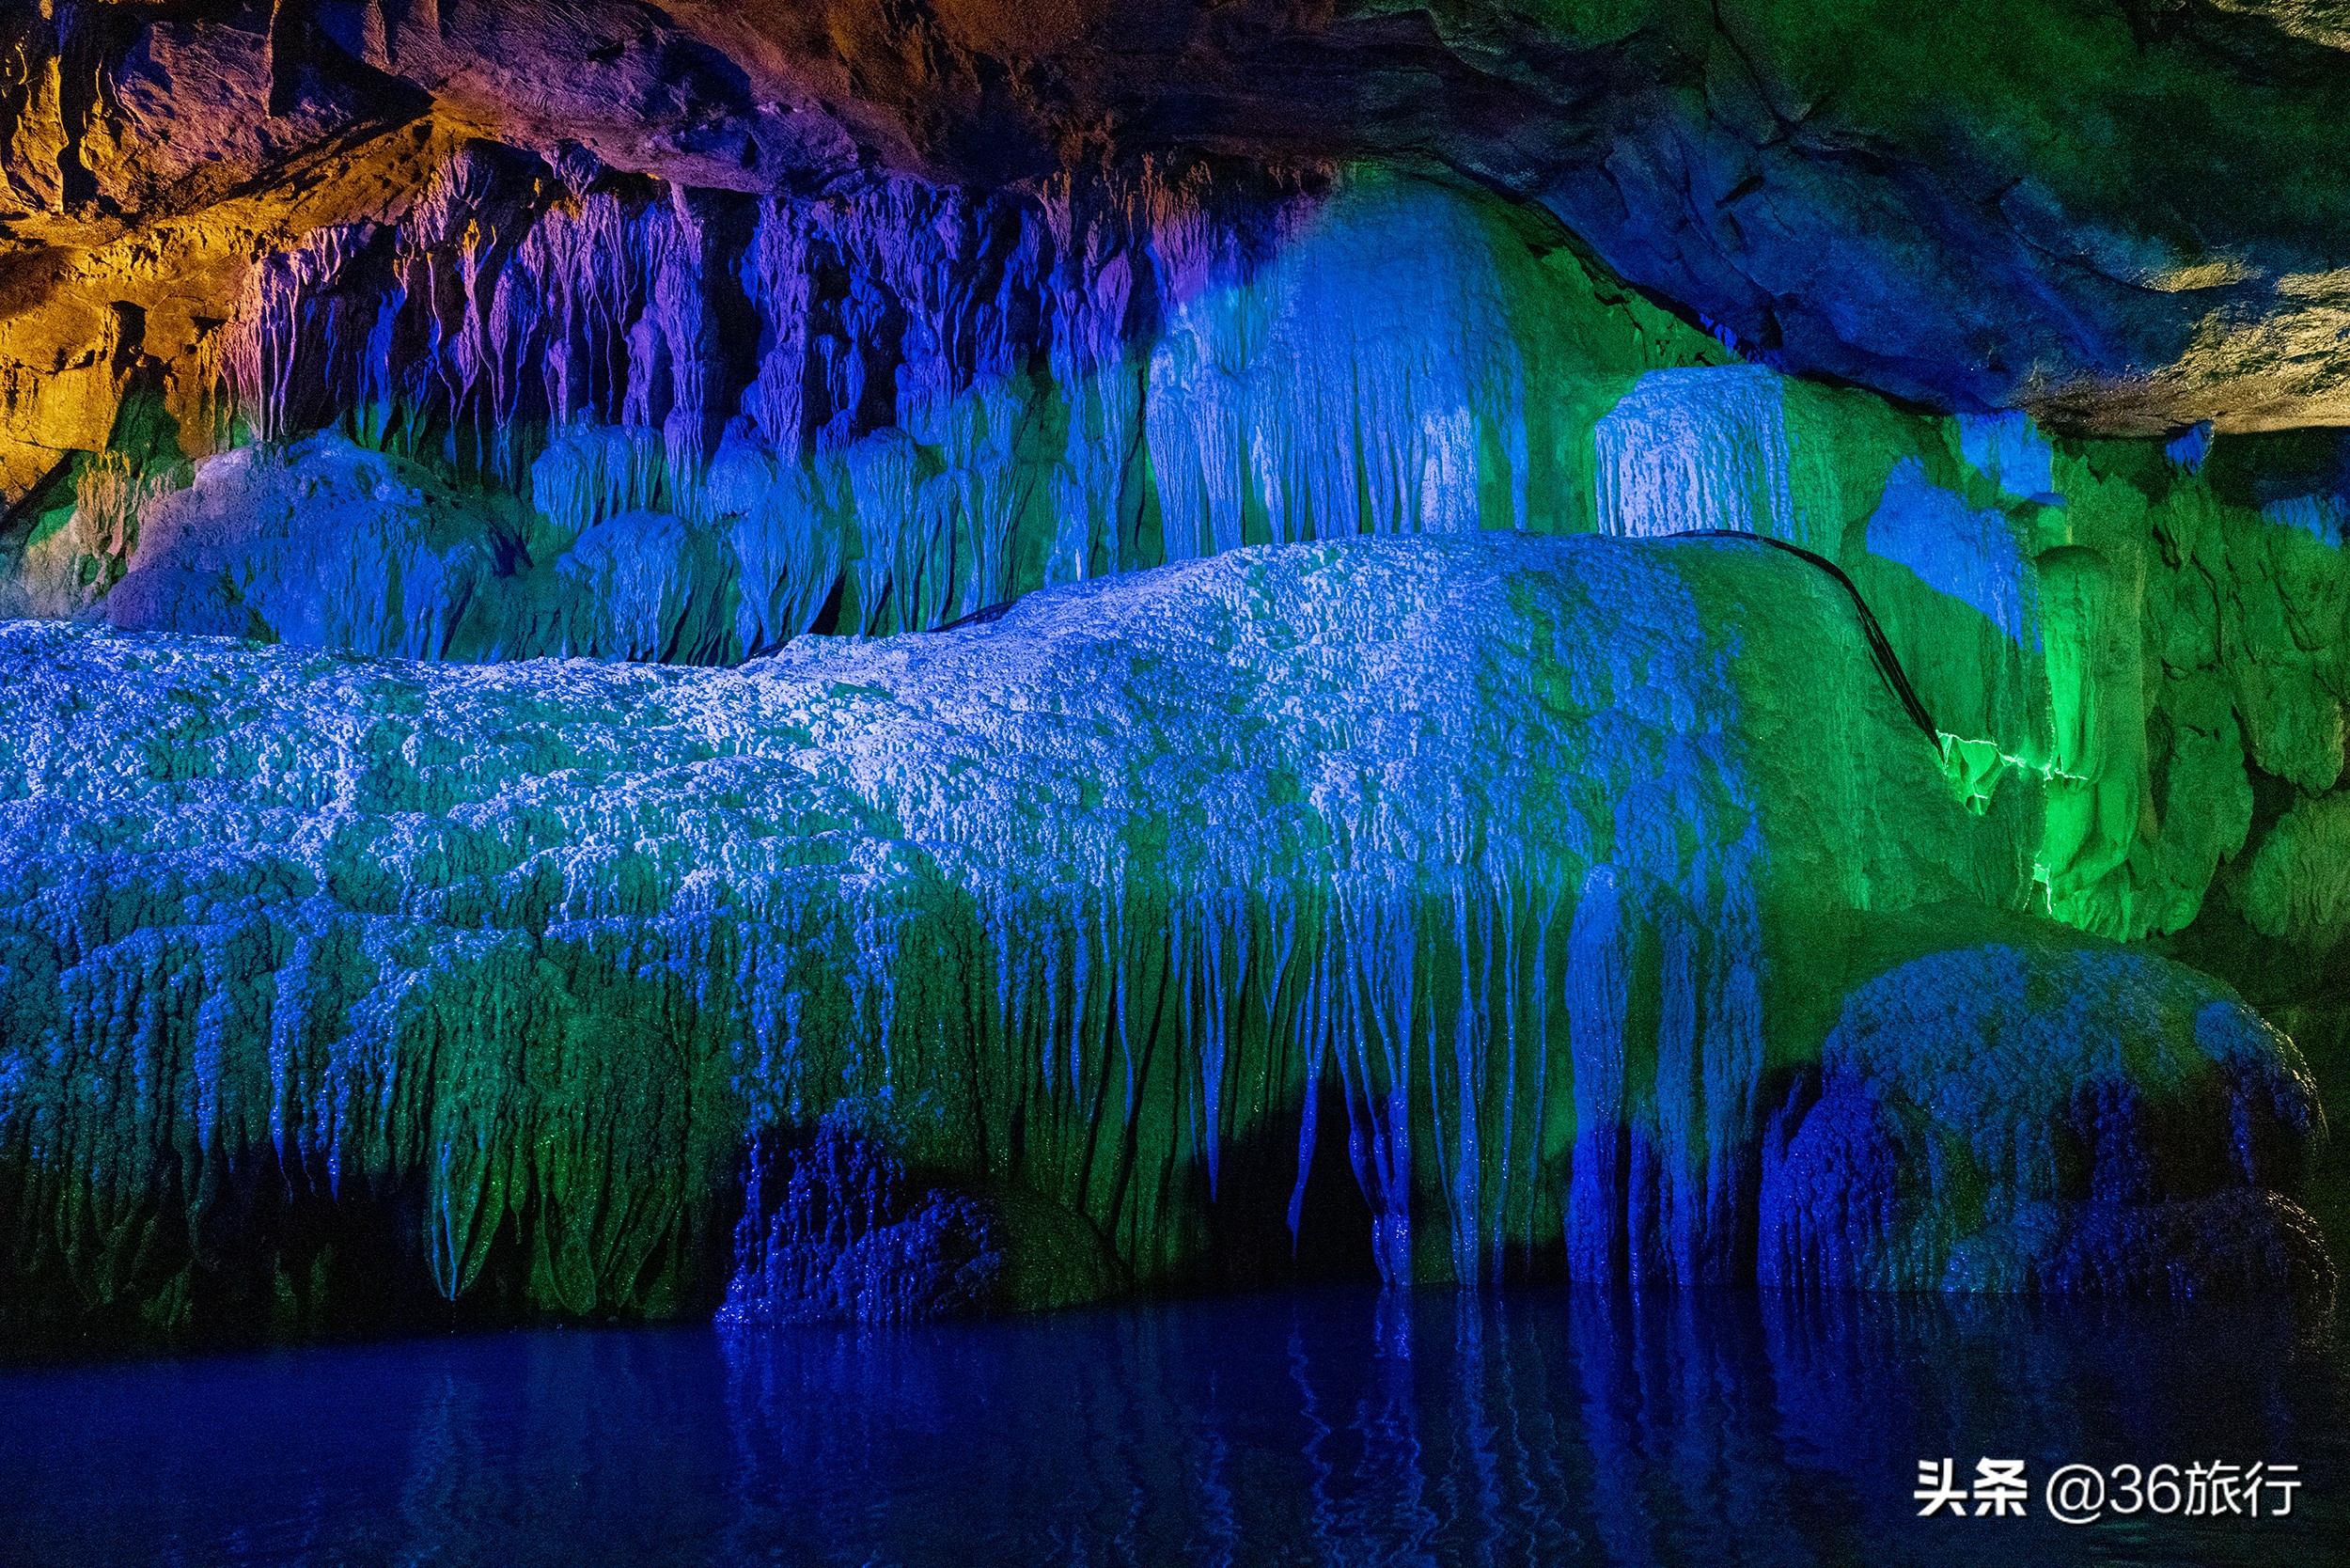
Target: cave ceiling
(2123, 217)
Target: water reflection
(1333, 1427)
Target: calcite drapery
(1088, 902)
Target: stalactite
(1542, 1021)
(288, 355)
(1034, 926)
(779, 277)
(1118, 367)
(907, 547)
(649, 586)
(988, 483)
(583, 254)
(1704, 444)
(590, 474)
(787, 534)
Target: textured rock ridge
(1502, 865)
(1136, 898)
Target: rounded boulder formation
(2046, 1120)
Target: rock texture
(628, 425)
(2041, 1119)
(645, 336)
(1466, 860)
(922, 402)
(2120, 213)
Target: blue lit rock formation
(832, 1232)
(1516, 856)
(2045, 1119)
(688, 427)
(921, 400)
(1453, 855)
(1379, 865)
(680, 427)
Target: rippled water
(1331, 1426)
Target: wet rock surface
(461, 449)
(1150, 897)
(2078, 1122)
(1502, 865)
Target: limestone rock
(2062, 1121)
(1997, 210)
(1134, 899)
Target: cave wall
(642, 421)
(939, 399)
(669, 338)
(2123, 213)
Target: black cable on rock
(1879, 649)
(980, 616)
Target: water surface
(1333, 1426)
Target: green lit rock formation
(1509, 868)
(2046, 1119)
(1062, 643)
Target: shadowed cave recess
(860, 661)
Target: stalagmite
(2113, 1124)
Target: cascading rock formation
(870, 676)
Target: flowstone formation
(931, 656)
(2044, 1118)
(1501, 870)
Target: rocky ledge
(1466, 909)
